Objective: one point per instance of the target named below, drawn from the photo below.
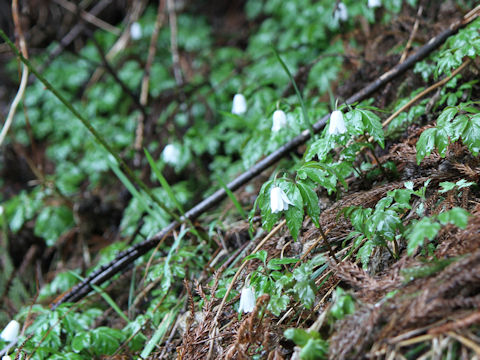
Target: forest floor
(405, 306)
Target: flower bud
(278, 200)
(239, 106)
(135, 31)
(171, 154)
(279, 120)
(341, 12)
(10, 333)
(337, 125)
(247, 300)
(374, 3)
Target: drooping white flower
(374, 3)
(6, 357)
(135, 31)
(279, 120)
(247, 300)
(341, 12)
(239, 105)
(171, 154)
(10, 333)
(337, 125)
(278, 200)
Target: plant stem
(379, 163)
(329, 247)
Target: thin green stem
(89, 127)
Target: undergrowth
(399, 197)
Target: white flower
(6, 357)
(279, 120)
(10, 333)
(341, 12)
(135, 31)
(374, 3)
(239, 106)
(171, 154)
(337, 125)
(247, 300)
(278, 200)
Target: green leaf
(354, 123)
(425, 144)
(445, 118)
(425, 228)
(365, 252)
(274, 264)
(105, 341)
(471, 135)
(456, 216)
(260, 255)
(81, 341)
(314, 349)
(310, 199)
(446, 186)
(52, 222)
(278, 303)
(305, 293)
(373, 126)
(299, 336)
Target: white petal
(239, 106)
(171, 154)
(10, 333)
(279, 120)
(247, 300)
(276, 202)
(374, 3)
(6, 357)
(135, 31)
(337, 125)
(341, 12)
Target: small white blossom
(6, 357)
(135, 31)
(337, 125)
(239, 106)
(341, 12)
(10, 333)
(279, 120)
(374, 3)
(247, 300)
(278, 200)
(171, 154)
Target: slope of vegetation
(361, 242)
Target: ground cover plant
(361, 241)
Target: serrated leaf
(260, 255)
(319, 148)
(423, 229)
(314, 349)
(354, 123)
(310, 199)
(373, 126)
(456, 216)
(425, 144)
(305, 293)
(277, 304)
(365, 252)
(471, 135)
(446, 117)
(299, 336)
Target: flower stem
(329, 247)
